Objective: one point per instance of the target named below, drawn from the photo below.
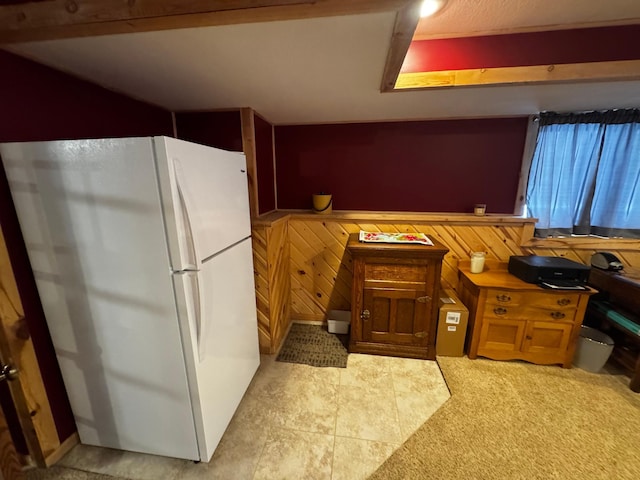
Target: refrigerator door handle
(188, 286)
(187, 206)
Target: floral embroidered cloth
(394, 237)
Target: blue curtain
(585, 174)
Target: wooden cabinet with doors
(511, 319)
(394, 303)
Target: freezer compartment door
(222, 336)
(205, 199)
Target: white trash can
(593, 349)
(338, 321)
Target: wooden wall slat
(299, 304)
(281, 283)
(261, 278)
(331, 259)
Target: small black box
(536, 269)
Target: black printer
(549, 272)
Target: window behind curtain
(585, 174)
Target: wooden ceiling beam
(406, 22)
(56, 19)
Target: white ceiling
(329, 69)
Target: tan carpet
(513, 420)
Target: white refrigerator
(141, 252)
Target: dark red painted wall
(525, 49)
(39, 103)
(427, 166)
(264, 165)
(215, 129)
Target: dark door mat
(314, 345)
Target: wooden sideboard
(511, 319)
(394, 303)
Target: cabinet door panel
(405, 315)
(501, 335)
(380, 314)
(395, 317)
(547, 337)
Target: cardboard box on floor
(452, 325)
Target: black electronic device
(550, 272)
(606, 261)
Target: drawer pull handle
(499, 311)
(503, 298)
(424, 299)
(563, 302)
(365, 315)
(557, 315)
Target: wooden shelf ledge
(394, 217)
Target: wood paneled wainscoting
(273, 285)
(302, 268)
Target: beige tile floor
(297, 421)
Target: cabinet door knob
(499, 311)
(503, 298)
(365, 315)
(557, 315)
(8, 372)
(564, 301)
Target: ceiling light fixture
(429, 7)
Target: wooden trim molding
(592, 71)
(57, 19)
(527, 157)
(249, 147)
(407, 217)
(65, 447)
(269, 219)
(583, 243)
